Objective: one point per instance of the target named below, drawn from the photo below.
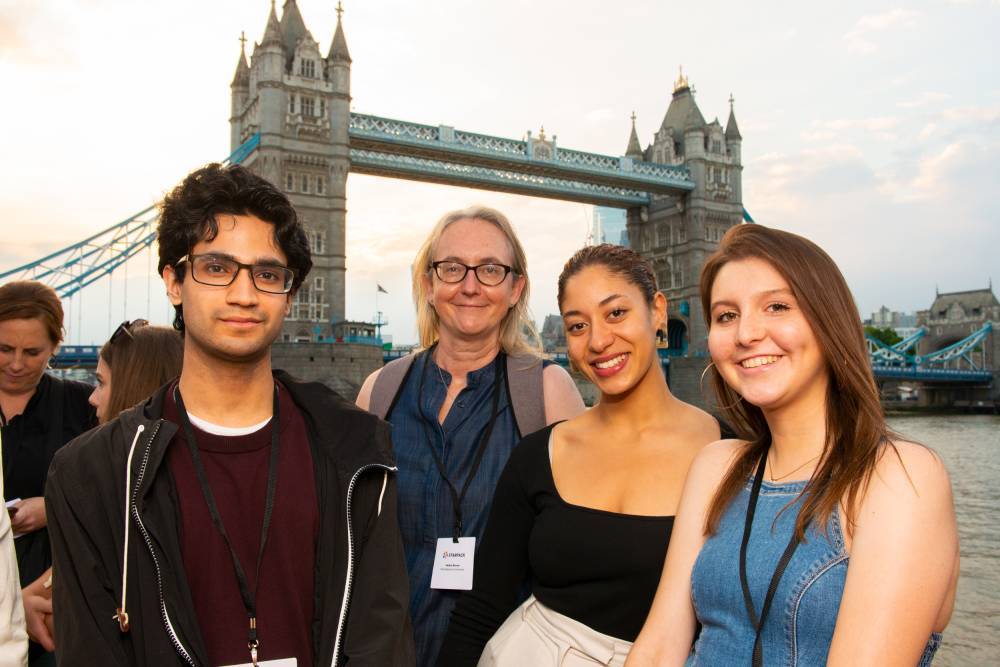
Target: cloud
(928, 98)
(861, 39)
(826, 130)
(973, 114)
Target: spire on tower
(242, 76)
(272, 33)
(338, 47)
(682, 82)
(293, 28)
(634, 149)
(732, 130)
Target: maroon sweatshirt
(237, 468)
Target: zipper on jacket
(156, 563)
(350, 558)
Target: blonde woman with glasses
(460, 404)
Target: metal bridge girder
(448, 145)
(76, 266)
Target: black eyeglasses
(220, 271)
(125, 329)
(490, 274)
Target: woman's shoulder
(715, 458)
(908, 471)
(703, 427)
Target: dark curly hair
(188, 216)
(617, 259)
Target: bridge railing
(448, 139)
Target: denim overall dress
(803, 615)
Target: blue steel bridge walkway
(533, 166)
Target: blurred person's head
(232, 255)
(489, 302)
(31, 329)
(135, 362)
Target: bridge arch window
(290, 181)
(291, 103)
(319, 283)
(304, 184)
(317, 241)
(322, 107)
(321, 185)
(308, 106)
(307, 68)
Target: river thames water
(970, 447)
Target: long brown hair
(141, 362)
(856, 432)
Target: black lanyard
(499, 367)
(249, 597)
(779, 570)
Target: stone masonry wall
(341, 366)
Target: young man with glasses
(239, 516)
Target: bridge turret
(338, 74)
(240, 94)
(634, 149)
(267, 69)
(734, 143)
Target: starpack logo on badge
(453, 563)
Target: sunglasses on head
(125, 329)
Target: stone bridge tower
(677, 234)
(299, 101)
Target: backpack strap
(524, 388)
(387, 386)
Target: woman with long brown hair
(819, 536)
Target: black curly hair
(188, 216)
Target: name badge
(453, 564)
(282, 662)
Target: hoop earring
(701, 388)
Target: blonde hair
(517, 329)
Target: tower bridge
(291, 123)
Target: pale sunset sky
(873, 128)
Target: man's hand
(30, 515)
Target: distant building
(609, 226)
(955, 315)
(553, 335)
(904, 324)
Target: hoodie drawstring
(381, 495)
(120, 614)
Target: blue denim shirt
(799, 628)
(425, 503)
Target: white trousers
(535, 636)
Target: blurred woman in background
(39, 414)
(137, 360)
